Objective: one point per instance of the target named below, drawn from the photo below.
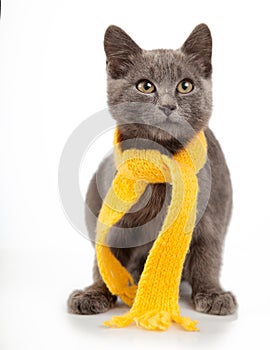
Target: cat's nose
(167, 109)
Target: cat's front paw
(220, 303)
(90, 302)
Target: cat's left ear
(120, 50)
(198, 48)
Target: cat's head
(163, 88)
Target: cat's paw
(220, 303)
(90, 302)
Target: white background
(52, 77)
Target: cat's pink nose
(167, 109)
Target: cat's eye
(146, 87)
(185, 86)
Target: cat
(153, 95)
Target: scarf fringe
(153, 320)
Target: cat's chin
(182, 132)
(166, 125)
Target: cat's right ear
(120, 50)
(198, 47)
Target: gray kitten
(172, 90)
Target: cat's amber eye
(146, 87)
(185, 86)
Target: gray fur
(126, 65)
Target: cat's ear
(120, 50)
(198, 48)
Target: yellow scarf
(154, 302)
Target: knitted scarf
(154, 302)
